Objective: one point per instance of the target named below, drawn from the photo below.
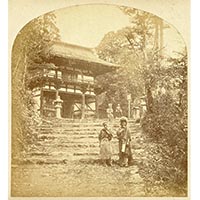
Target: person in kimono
(109, 112)
(105, 138)
(118, 111)
(124, 138)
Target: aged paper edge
(154, 6)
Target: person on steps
(109, 112)
(118, 112)
(105, 138)
(124, 137)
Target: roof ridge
(67, 50)
(72, 45)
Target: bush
(165, 129)
(23, 121)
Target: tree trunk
(149, 99)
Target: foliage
(120, 82)
(26, 53)
(30, 44)
(166, 128)
(135, 49)
(145, 68)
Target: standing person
(110, 112)
(124, 137)
(105, 138)
(118, 111)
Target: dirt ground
(83, 178)
(76, 178)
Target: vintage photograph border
(16, 22)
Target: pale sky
(86, 26)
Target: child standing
(124, 137)
(105, 138)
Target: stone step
(85, 125)
(67, 139)
(83, 140)
(78, 129)
(79, 134)
(56, 151)
(62, 138)
(60, 154)
(82, 134)
(80, 142)
(69, 120)
(80, 149)
(96, 126)
(57, 157)
(56, 160)
(71, 154)
(70, 128)
(81, 129)
(86, 120)
(65, 154)
(53, 135)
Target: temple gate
(67, 87)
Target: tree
(165, 123)
(143, 38)
(139, 53)
(166, 127)
(115, 48)
(26, 54)
(30, 44)
(135, 49)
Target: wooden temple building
(67, 87)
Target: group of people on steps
(124, 138)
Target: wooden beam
(83, 106)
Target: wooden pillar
(82, 78)
(129, 105)
(96, 101)
(58, 107)
(41, 101)
(83, 96)
(83, 105)
(96, 108)
(57, 92)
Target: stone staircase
(61, 140)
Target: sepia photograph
(99, 105)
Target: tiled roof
(80, 53)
